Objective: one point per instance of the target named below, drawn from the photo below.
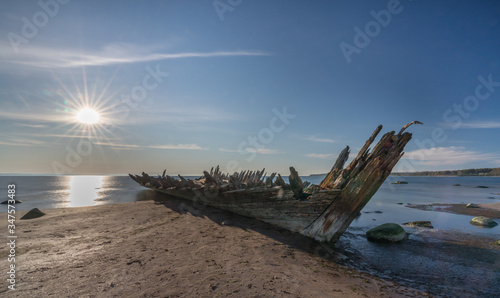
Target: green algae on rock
(388, 232)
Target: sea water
(390, 202)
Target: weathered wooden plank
(362, 182)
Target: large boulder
(483, 221)
(33, 213)
(471, 205)
(423, 224)
(389, 232)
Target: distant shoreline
(484, 172)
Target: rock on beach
(33, 213)
(422, 224)
(483, 221)
(389, 232)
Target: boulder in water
(33, 213)
(389, 232)
(483, 221)
(422, 224)
(482, 186)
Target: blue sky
(187, 85)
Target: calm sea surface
(45, 192)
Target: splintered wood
(358, 183)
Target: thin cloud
(490, 124)
(159, 115)
(441, 156)
(108, 55)
(320, 155)
(38, 117)
(251, 150)
(166, 147)
(179, 147)
(31, 125)
(262, 151)
(21, 142)
(319, 140)
(227, 150)
(74, 136)
(118, 146)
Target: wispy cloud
(117, 53)
(21, 142)
(138, 147)
(490, 124)
(321, 155)
(251, 150)
(31, 125)
(319, 140)
(175, 115)
(179, 147)
(441, 156)
(227, 150)
(38, 117)
(262, 151)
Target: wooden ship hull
(322, 212)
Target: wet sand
(491, 210)
(172, 249)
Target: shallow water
(440, 268)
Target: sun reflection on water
(84, 190)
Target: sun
(88, 116)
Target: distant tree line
(466, 172)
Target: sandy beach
(171, 249)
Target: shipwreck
(322, 212)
